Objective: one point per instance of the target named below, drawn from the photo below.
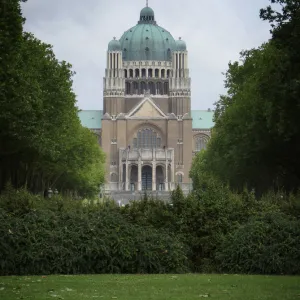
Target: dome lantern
(114, 45)
(147, 15)
(180, 45)
(147, 40)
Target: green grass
(156, 287)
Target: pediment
(146, 109)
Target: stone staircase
(125, 197)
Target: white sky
(215, 32)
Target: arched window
(143, 87)
(113, 177)
(201, 142)
(146, 138)
(152, 88)
(159, 87)
(130, 73)
(166, 88)
(179, 178)
(135, 88)
(128, 88)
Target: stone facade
(147, 129)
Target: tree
(255, 142)
(42, 143)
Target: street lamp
(50, 193)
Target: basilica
(147, 128)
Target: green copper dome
(147, 40)
(180, 45)
(146, 12)
(114, 45)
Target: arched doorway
(146, 178)
(124, 177)
(159, 178)
(133, 177)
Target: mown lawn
(156, 287)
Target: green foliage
(42, 142)
(17, 202)
(202, 232)
(60, 236)
(201, 220)
(255, 146)
(255, 141)
(267, 244)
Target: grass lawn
(156, 287)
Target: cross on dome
(147, 3)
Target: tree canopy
(255, 141)
(42, 143)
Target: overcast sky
(215, 32)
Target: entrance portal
(147, 178)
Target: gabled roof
(91, 118)
(202, 119)
(146, 109)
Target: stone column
(153, 176)
(173, 169)
(139, 175)
(166, 177)
(120, 175)
(127, 177)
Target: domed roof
(147, 40)
(114, 45)
(180, 45)
(147, 12)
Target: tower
(113, 82)
(180, 83)
(146, 123)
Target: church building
(147, 128)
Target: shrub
(65, 237)
(17, 202)
(267, 244)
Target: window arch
(159, 87)
(201, 142)
(143, 87)
(152, 88)
(130, 73)
(135, 88)
(113, 177)
(166, 88)
(179, 177)
(128, 88)
(146, 138)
